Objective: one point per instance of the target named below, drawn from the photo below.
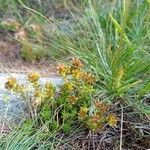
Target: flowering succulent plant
(74, 103)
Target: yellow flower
(62, 69)
(49, 89)
(83, 112)
(19, 88)
(77, 63)
(87, 89)
(76, 73)
(112, 120)
(88, 78)
(95, 122)
(33, 76)
(95, 126)
(68, 86)
(96, 118)
(11, 83)
(37, 93)
(73, 99)
(101, 106)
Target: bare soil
(11, 61)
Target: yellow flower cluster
(75, 71)
(77, 63)
(76, 96)
(33, 77)
(101, 106)
(96, 121)
(11, 84)
(62, 69)
(39, 93)
(79, 84)
(68, 86)
(72, 99)
(112, 120)
(49, 90)
(83, 112)
(99, 117)
(88, 78)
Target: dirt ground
(11, 61)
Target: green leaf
(148, 1)
(145, 108)
(118, 27)
(119, 77)
(127, 87)
(145, 89)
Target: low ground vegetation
(103, 102)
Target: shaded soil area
(11, 61)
